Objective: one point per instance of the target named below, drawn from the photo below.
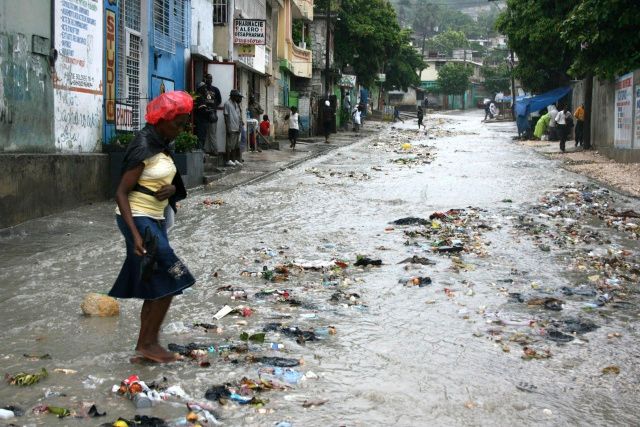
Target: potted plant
(189, 160)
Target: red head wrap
(168, 105)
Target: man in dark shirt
(213, 100)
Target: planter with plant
(189, 160)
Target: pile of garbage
(451, 232)
(577, 219)
(408, 145)
(580, 226)
(331, 173)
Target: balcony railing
(305, 7)
(301, 61)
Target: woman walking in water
(147, 194)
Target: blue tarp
(527, 105)
(536, 103)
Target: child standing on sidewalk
(357, 119)
(294, 127)
(265, 126)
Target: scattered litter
(26, 379)
(222, 312)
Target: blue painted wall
(165, 67)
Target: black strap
(145, 190)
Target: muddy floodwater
(490, 339)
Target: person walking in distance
(149, 188)
(328, 120)
(294, 127)
(356, 117)
(420, 115)
(396, 114)
(233, 123)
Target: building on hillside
(429, 78)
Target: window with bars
(129, 58)
(170, 24)
(220, 15)
(161, 17)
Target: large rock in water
(100, 305)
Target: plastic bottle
(141, 400)
(6, 414)
(276, 346)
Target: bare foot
(157, 353)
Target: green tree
(497, 78)
(403, 65)
(533, 29)
(368, 37)
(605, 36)
(453, 78)
(448, 41)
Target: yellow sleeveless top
(158, 170)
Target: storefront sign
(110, 93)
(250, 31)
(347, 80)
(247, 50)
(623, 118)
(124, 117)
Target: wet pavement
(492, 337)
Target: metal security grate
(129, 57)
(161, 26)
(220, 15)
(133, 75)
(171, 24)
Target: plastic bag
(168, 105)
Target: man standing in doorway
(233, 123)
(213, 101)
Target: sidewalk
(622, 177)
(257, 166)
(260, 165)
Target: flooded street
(530, 315)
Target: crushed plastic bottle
(5, 414)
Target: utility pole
(513, 87)
(588, 104)
(464, 61)
(326, 54)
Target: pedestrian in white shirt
(561, 126)
(294, 127)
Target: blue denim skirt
(170, 277)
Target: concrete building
(51, 107)
(429, 77)
(615, 116)
(295, 64)
(74, 74)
